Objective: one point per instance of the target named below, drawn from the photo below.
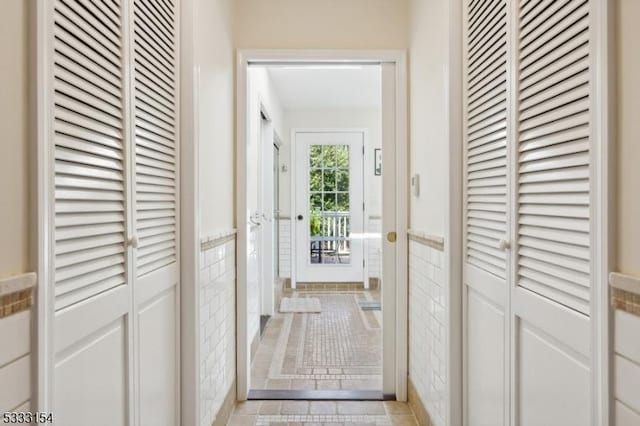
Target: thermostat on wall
(415, 185)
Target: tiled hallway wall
(427, 328)
(217, 319)
(626, 358)
(16, 316)
(253, 284)
(374, 247)
(285, 247)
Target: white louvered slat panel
(155, 121)
(486, 134)
(554, 151)
(88, 114)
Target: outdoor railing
(334, 232)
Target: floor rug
(300, 305)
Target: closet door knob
(504, 245)
(133, 241)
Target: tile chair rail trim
(426, 239)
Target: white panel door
(552, 226)
(92, 286)
(155, 100)
(486, 206)
(528, 210)
(113, 184)
(329, 210)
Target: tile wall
(626, 359)
(427, 329)
(16, 317)
(217, 325)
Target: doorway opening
(319, 287)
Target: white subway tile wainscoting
(427, 329)
(217, 319)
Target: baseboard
(416, 404)
(315, 287)
(374, 283)
(314, 395)
(222, 418)
(255, 343)
(264, 320)
(286, 283)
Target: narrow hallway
(458, 179)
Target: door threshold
(318, 395)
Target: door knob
(133, 241)
(300, 217)
(392, 236)
(504, 245)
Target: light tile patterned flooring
(337, 349)
(373, 413)
(340, 348)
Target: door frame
(267, 235)
(294, 186)
(397, 58)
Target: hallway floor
(370, 413)
(337, 349)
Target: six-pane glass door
(329, 205)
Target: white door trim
(45, 299)
(603, 137)
(453, 236)
(395, 57)
(265, 206)
(189, 222)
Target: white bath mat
(300, 305)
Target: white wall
(261, 92)
(430, 339)
(215, 131)
(216, 114)
(15, 153)
(308, 24)
(628, 135)
(428, 111)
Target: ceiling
(328, 86)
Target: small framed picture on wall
(377, 162)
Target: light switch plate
(415, 185)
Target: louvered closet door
(155, 122)
(88, 139)
(486, 206)
(552, 225)
(528, 261)
(113, 90)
